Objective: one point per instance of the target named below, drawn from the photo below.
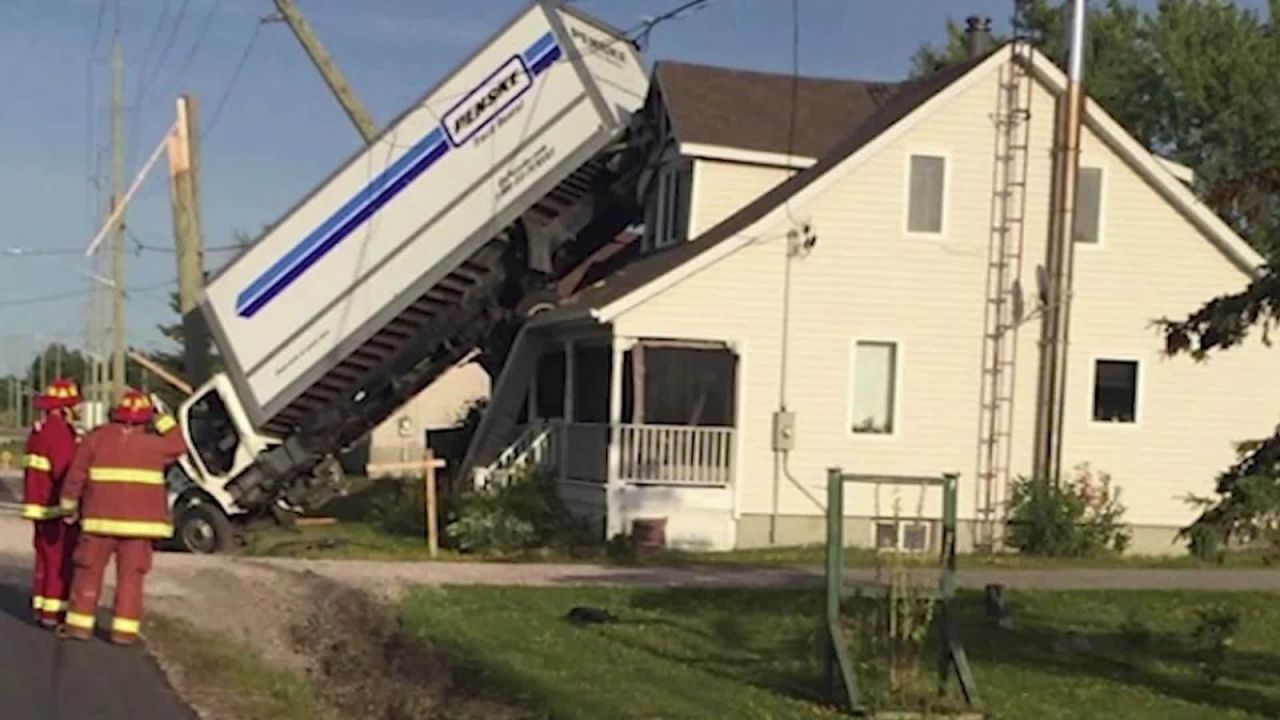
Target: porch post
(614, 489)
(570, 363)
(532, 399)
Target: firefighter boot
(133, 561)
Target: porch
(631, 428)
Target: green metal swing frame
(837, 665)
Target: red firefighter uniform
(116, 487)
(50, 448)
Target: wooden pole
(183, 172)
(333, 77)
(429, 478)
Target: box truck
(427, 243)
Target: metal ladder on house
(1004, 300)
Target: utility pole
(117, 241)
(328, 70)
(184, 168)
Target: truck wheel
(203, 529)
(535, 302)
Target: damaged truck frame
(435, 239)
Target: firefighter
(50, 448)
(116, 487)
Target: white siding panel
(722, 188)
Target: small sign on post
(427, 467)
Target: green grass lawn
(750, 654)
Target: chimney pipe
(977, 35)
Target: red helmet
(135, 408)
(61, 393)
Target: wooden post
(427, 466)
(429, 479)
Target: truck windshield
(213, 433)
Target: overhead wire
(195, 46)
(231, 84)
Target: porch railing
(675, 454)
(647, 454)
(537, 446)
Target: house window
(1088, 218)
(901, 535)
(671, 215)
(927, 184)
(1115, 391)
(875, 371)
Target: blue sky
(280, 131)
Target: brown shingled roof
(752, 110)
(909, 96)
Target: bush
(397, 507)
(1077, 518)
(523, 514)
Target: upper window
(1088, 218)
(927, 186)
(671, 212)
(1115, 391)
(875, 372)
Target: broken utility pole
(328, 70)
(184, 167)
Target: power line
(231, 84)
(173, 36)
(44, 298)
(795, 92)
(195, 46)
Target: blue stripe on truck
(381, 190)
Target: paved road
(42, 678)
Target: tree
(1195, 81)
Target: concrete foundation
(753, 531)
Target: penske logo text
(484, 104)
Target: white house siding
(721, 188)
(867, 279)
(438, 406)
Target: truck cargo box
(530, 109)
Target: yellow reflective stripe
(68, 505)
(126, 475)
(54, 605)
(40, 512)
(125, 625)
(37, 602)
(165, 423)
(76, 620)
(128, 528)
(37, 462)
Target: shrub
(1213, 636)
(1076, 518)
(397, 507)
(523, 514)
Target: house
(403, 436)
(845, 273)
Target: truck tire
(203, 529)
(538, 301)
